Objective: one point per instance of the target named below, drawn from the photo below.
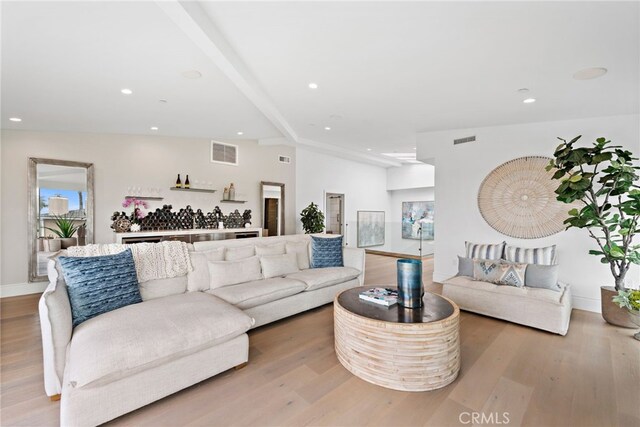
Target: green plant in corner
(66, 226)
(312, 219)
(604, 178)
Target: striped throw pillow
(539, 256)
(484, 251)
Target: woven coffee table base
(399, 356)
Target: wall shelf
(144, 197)
(233, 201)
(193, 190)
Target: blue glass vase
(410, 288)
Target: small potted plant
(312, 219)
(604, 179)
(630, 300)
(66, 228)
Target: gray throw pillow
(465, 266)
(542, 276)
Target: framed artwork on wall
(370, 228)
(416, 215)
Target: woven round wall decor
(517, 199)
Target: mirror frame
(275, 184)
(32, 220)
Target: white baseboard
(580, 303)
(17, 289)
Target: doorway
(272, 208)
(335, 213)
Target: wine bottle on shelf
(186, 182)
(178, 182)
(232, 192)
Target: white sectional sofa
(182, 333)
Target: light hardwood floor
(591, 377)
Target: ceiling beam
(196, 24)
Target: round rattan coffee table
(395, 347)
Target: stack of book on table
(382, 296)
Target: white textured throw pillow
(301, 249)
(240, 252)
(278, 265)
(274, 249)
(198, 279)
(227, 273)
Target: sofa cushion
(226, 273)
(326, 252)
(543, 295)
(273, 249)
(484, 251)
(278, 265)
(240, 252)
(301, 249)
(198, 278)
(158, 288)
(100, 284)
(465, 266)
(259, 292)
(138, 337)
(316, 278)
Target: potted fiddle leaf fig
(312, 219)
(604, 178)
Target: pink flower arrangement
(138, 205)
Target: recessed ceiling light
(240, 133)
(313, 85)
(327, 128)
(523, 90)
(368, 149)
(126, 91)
(529, 100)
(153, 128)
(15, 119)
(415, 148)
(192, 74)
(590, 73)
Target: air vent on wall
(224, 153)
(284, 159)
(464, 140)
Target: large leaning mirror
(60, 210)
(272, 208)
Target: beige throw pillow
(198, 279)
(227, 273)
(301, 249)
(500, 273)
(279, 265)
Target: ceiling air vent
(464, 140)
(224, 153)
(284, 159)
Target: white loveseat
(538, 308)
(182, 333)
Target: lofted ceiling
(385, 70)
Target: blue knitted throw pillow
(100, 284)
(326, 252)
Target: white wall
(410, 176)
(364, 187)
(459, 171)
(122, 161)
